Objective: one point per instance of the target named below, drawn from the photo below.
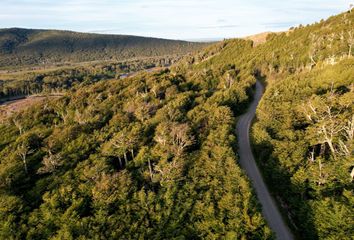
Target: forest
(154, 155)
(303, 132)
(32, 47)
(142, 157)
(46, 80)
(304, 140)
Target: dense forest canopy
(303, 136)
(154, 155)
(150, 156)
(21, 47)
(304, 140)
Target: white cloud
(167, 18)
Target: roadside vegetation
(154, 155)
(303, 135)
(149, 156)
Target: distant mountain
(32, 47)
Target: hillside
(154, 156)
(303, 136)
(146, 157)
(19, 47)
(258, 38)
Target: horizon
(193, 20)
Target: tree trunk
(125, 158)
(320, 174)
(150, 169)
(330, 144)
(120, 162)
(350, 51)
(25, 164)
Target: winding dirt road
(269, 208)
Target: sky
(173, 19)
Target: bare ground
(14, 106)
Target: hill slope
(303, 137)
(30, 47)
(147, 157)
(154, 156)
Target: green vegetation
(304, 140)
(153, 156)
(59, 79)
(22, 47)
(303, 137)
(304, 133)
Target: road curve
(269, 208)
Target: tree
(23, 150)
(174, 137)
(230, 77)
(169, 172)
(326, 122)
(18, 123)
(315, 46)
(117, 147)
(144, 110)
(181, 137)
(123, 142)
(81, 117)
(350, 43)
(346, 143)
(61, 109)
(50, 162)
(144, 156)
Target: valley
(239, 139)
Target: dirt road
(248, 163)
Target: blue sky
(175, 19)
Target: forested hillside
(147, 157)
(19, 47)
(304, 140)
(304, 133)
(303, 137)
(154, 156)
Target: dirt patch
(258, 38)
(10, 107)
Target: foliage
(56, 79)
(154, 155)
(303, 136)
(20, 47)
(150, 156)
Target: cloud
(276, 25)
(182, 19)
(221, 26)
